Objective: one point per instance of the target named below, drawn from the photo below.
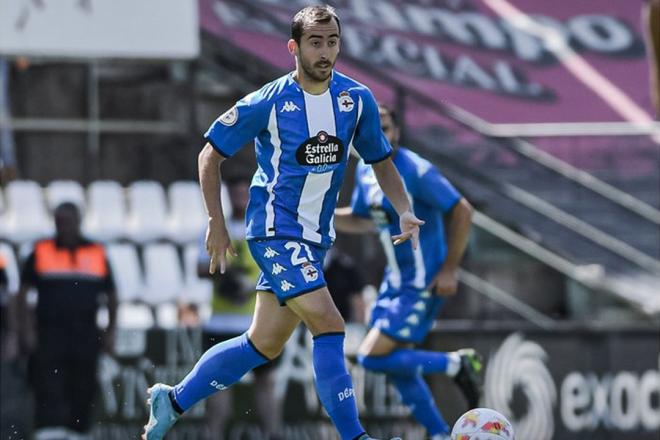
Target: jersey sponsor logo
(229, 117)
(289, 106)
(286, 286)
(309, 272)
(322, 152)
(345, 102)
(278, 269)
(270, 252)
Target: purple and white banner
(506, 61)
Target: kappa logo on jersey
(309, 272)
(323, 152)
(229, 117)
(289, 106)
(345, 102)
(270, 252)
(286, 286)
(278, 269)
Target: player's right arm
(217, 237)
(233, 129)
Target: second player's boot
(468, 377)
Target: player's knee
(269, 346)
(319, 323)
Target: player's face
(390, 129)
(318, 50)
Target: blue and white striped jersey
(302, 143)
(432, 195)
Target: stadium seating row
(142, 212)
(149, 283)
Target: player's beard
(311, 70)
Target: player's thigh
(272, 325)
(377, 343)
(318, 311)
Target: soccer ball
(482, 424)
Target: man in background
(72, 277)
(232, 306)
(416, 279)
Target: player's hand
(409, 225)
(217, 244)
(445, 283)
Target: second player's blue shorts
(405, 315)
(289, 268)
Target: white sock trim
(453, 364)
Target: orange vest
(86, 260)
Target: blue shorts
(289, 268)
(405, 315)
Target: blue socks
(406, 362)
(416, 395)
(334, 384)
(220, 367)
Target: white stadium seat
(26, 217)
(126, 271)
(11, 267)
(187, 217)
(60, 191)
(147, 214)
(134, 316)
(196, 290)
(105, 219)
(162, 272)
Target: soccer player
(416, 279)
(304, 124)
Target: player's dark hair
(392, 112)
(312, 15)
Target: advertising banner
(162, 29)
(571, 384)
(587, 62)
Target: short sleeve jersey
(302, 143)
(432, 196)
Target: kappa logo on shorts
(278, 269)
(286, 286)
(270, 252)
(420, 306)
(309, 272)
(412, 319)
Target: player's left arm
(445, 281)
(449, 202)
(390, 182)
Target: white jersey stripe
(311, 202)
(394, 276)
(320, 117)
(275, 163)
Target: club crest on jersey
(229, 117)
(345, 102)
(309, 272)
(322, 152)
